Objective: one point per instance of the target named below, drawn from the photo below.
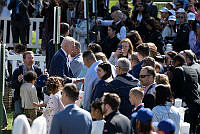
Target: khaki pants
(31, 113)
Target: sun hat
(164, 10)
(191, 16)
(180, 10)
(172, 17)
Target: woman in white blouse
(164, 108)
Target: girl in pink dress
(54, 105)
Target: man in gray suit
(77, 61)
(72, 120)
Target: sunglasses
(143, 76)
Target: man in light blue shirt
(91, 78)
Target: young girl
(54, 105)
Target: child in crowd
(28, 94)
(136, 96)
(166, 126)
(54, 105)
(97, 117)
(96, 111)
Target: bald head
(67, 44)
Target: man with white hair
(118, 19)
(122, 84)
(60, 65)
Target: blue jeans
(18, 108)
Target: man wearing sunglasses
(147, 80)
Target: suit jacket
(117, 123)
(51, 51)
(22, 16)
(77, 65)
(72, 120)
(152, 9)
(60, 65)
(15, 84)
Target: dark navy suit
(60, 65)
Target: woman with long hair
(135, 38)
(125, 49)
(164, 108)
(104, 72)
(139, 13)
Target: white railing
(39, 60)
(30, 44)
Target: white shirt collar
(117, 22)
(149, 3)
(64, 52)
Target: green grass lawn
(34, 39)
(10, 119)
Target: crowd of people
(128, 77)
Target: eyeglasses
(143, 76)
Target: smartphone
(119, 46)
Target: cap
(167, 125)
(174, 6)
(172, 12)
(114, 8)
(144, 115)
(191, 16)
(41, 81)
(180, 10)
(164, 10)
(172, 17)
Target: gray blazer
(72, 120)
